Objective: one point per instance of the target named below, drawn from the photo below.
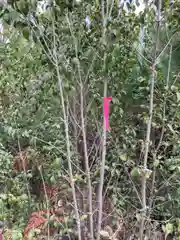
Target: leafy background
(32, 114)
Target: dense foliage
(67, 43)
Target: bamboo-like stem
(147, 141)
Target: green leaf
(26, 33)
(168, 228)
(148, 173)
(178, 96)
(53, 180)
(16, 235)
(178, 227)
(1, 204)
(123, 157)
(57, 162)
(156, 162)
(135, 172)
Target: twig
(169, 42)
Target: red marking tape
(107, 100)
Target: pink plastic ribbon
(107, 100)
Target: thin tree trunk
(67, 140)
(147, 141)
(102, 166)
(69, 154)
